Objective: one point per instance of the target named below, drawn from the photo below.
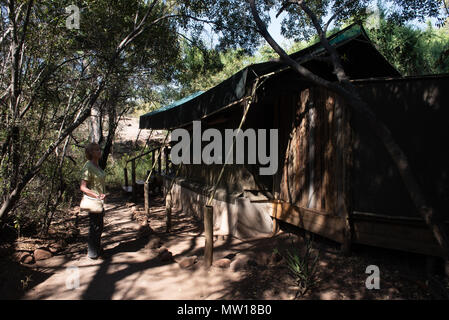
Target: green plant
(115, 173)
(25, 283)
(302, 266)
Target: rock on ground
(42, 254)
(187, 262)
(154, 243)
(222, 263)
(165, 255)
(24, 257)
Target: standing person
(93, 186)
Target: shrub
(302, 266)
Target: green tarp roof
(361, 61)
(174, 104)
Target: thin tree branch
(338, 67)
(284, 6)
(47, 76)
(335, 15)
(283, 55)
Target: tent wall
(416, 111)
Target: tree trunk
(112, 126)
(12, 198)
(95, 124)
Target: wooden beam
(146, 192)
(125, 174)
(133, 182)
(319, 222)
(405, 237)
(168, 205)
(159, 161)
(152, 158)
(166, 159)
(209, 236)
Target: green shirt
(94, 176)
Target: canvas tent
(326, 153)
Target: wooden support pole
(275, 227)
(146, 190)
(170, 166)
(276, 207)
(209, 236)
(166, 159)
(152, 159)
(133, 178)
(168, 205)
(125, 173)
(159, 163)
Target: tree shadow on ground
(16, 279)
(338, 277)
(402, 275)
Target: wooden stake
(275, 227)
(209, 236)
(276, 205)
(153, 159)
(133, 177)
(168, 205)
(146, 190)
(159, 162)
(166, 159)
(125, 173)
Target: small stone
(328, 295)
(154, 243)
(27, 259)
(393, 291)
(137, 210)
(165, 255)
(21, 256)
(222, 263)
(42, 254)
(55, 248)
(143, 221)
(139, 216)
(62, 243)
(186, 263)
(72, 233)
(161, 249)
(144, 231)
(239, 263)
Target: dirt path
(143, 261)
(137, 265)
(134, 268)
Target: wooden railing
(158, 169)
